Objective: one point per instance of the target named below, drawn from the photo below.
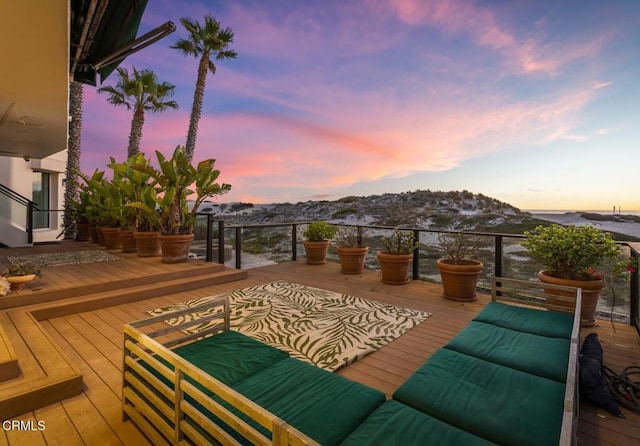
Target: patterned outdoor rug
(65, 258)
(324, 328)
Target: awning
(104, 32)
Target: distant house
(45, 44)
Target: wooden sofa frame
(536, 295)
(145, 396)
(165, 423)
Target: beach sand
(575, 218)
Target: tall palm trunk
(196, 110)
(137, 122)
(73, 157)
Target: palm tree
(206, 41)
(73, 157)
(141, 92)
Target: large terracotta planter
(101, 241)
(316, 252)
(83, 234)
(93, 231)
(590, 293)
(111, 238)
(147, 243)
(175, 248)
(459, 280)
(127, 241)
(352, 259)
(394, 267)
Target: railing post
(30, 209)
(221, 241)
(416, 255)
(239, 247)
(498, 255)
(634, 294)
(294, 242)
(209, 239)
(360, 231)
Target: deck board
(92, 341)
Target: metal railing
(497, 261)
(12, 205)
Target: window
(41, 198)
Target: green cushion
(491, 401)
(544, 323)
(230, 356)
(323, 405)
(514, 349)
(394, 424)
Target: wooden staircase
(34, 372)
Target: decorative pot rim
(380, 254)
(588, 284)
(349, 250)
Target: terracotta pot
(352, 259)
(127, 241)
(83, 234)
(394, 267)
(175, 248)
(100, 236)
(111, 238)
(590, 293)
(316, 252)
(147, 243)
(459, 280)
(93, 231)
(18, 282)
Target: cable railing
(502, 254)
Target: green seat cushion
(543, 323)
(394, 424)
(500, 404)
(323, 405)
(514, 349)
(230, 356)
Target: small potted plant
(574, 255)
(396, 257)
(317, 239)
(350, 249)
(20, 273)
(458, 271)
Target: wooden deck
(89, 335)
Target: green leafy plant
(319, 231)
(400, 242)
(21, 269)
(459, 246)
(349, 236)
(575, 252)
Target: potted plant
(350, 249)
(458, 271)
(317, 239)
(397, 256)
(20, 273)
(166, 201)
(573, 255)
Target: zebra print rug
(327, 329)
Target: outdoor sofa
(508, 378)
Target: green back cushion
(539, 355)
(230, 356)
(544, 323)
(491, 401)
(323, 405)
(395, 424)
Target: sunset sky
(536, 103)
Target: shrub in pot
(175, 180)
(574, 256)
(396, 257)
(317, 239)
(350, 249)
(20, 273)
(458, 271)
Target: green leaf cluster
(319, 231)
(400, 242)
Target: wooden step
(8, 358)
